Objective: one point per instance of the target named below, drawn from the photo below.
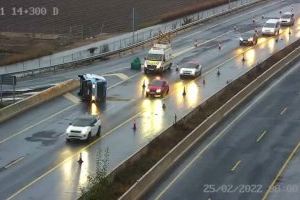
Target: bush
(99, 185)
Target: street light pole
(133, 25)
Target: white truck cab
(158, 58)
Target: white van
(271, 27)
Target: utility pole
(133, 25)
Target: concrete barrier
(21, 106)
(160, 168)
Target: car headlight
(250, 39)
(93, 98)
(194, 72)
(241, 39)
(147, 90)
(158, 90)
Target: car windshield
(83, 122)
(286, 16)
(190, 65)
(270, 25)
(156, 83)
(155, 57)
(247, 35)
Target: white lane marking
(14, 162)
(283, 111)
(119, 83)
(122, 76)
(223, 132)
(261, 136)
(72, 98)
(236, 165)
(281, 171)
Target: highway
(244, 153)
(32, 145)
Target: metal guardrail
(138, 38)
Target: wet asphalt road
(34, 141)
(243, 155)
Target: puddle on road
(45, 137)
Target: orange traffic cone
(134, 126)
(80, 161)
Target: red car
(157, 88)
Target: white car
(83, 128)
(287, 19)
(190, 69)
(271, 27)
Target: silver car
(287, 19)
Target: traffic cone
(253, 20)
(134, 126)
(195, 43)
(80, 161)
(164, 106)
(218, 72)
(203, 81)
(184, 92)
(290, 31)
(144, 84)
(219, 46)
(243, 59)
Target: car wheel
(89, 137)
(99, 131)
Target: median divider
(276, 65)
(46, 95)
